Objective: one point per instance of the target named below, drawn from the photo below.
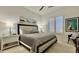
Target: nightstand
(8, 41)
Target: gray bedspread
(33, 40)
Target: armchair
(75, 39)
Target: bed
(36, 42)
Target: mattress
(33, 40)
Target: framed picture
(71, 24)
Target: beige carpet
(60, 47)
(16, 49)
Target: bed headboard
(27, 29)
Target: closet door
(59, 23)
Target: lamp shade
(9, 24)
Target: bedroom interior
(37, 29)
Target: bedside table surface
(5, 37)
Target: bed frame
(18, 30)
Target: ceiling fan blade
(50, 6)
(41, 8)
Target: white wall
(11, 14)
(66, 12)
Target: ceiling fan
(44, 7)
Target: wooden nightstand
(8, 41)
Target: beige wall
(2, 24)
(12, 13)
(66, 12)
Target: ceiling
(44, 11)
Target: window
(59, 24)
(51, 25)
(55, 24)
